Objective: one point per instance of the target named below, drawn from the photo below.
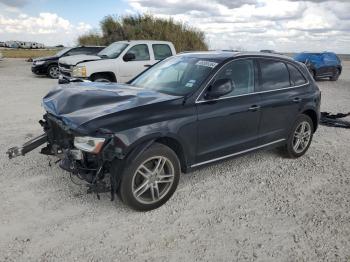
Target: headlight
(89, 144)
(39, 62)
(79, 71)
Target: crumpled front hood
(75, 59)
(78, 103)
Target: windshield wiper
(103, 56)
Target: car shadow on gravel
(76, 190)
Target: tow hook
(26, 147)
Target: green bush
(146, 27)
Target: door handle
(147, 65)
(254, 108)
(297, 100)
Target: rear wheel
(53, 71)
(151, 179)
(300, 137)
(335, 76)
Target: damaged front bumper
(92, 167)
(64, 79)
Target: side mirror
(219, 88)
(129, 57)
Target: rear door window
(274, 75)
(161, 51)
(296, 77)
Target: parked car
(119, 62)
(321, 65)
(186, 111)
(49, 65)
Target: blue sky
(77, 11)
(282, 25)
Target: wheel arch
(313, 115)
(339, 68)
(168, 140)
(50, 64)
(110, 75)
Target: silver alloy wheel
(54, 72)
(153, 179)
(302, 136)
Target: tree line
(146, 27)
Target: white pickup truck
(118, 62)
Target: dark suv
(182, 113)
(321, 65)
(49, 65)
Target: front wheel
(300, 137)
(151, 179)
(53, 71)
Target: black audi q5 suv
(185, 112)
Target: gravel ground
(256, 207)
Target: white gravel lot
(257, 207)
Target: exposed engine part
(328, 119)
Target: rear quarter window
(296, 77)
(274, 75)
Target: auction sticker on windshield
(206, 63)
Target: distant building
(23, 44)
(36, 45)
(12, 44)
(26, 45)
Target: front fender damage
(94, 169)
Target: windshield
(113, 50)
(176, 76)
(64, 50)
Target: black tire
(127, 186)
(53, 71)
(313, 73)
(336, 75)
(289, 150)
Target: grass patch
(27, 53)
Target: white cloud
(286, 25)
(48, 28)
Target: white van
(118, 62)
